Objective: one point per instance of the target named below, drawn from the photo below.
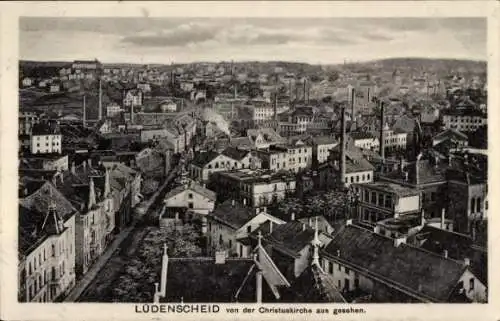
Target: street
(97, 282)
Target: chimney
(92, 198)
(382, 140)
(164, 271)
(348, 222)
(466, 261)
(368, 95)
(338, 253)
(73, 170)
(244, 201)
(84, 121)
(352, 103)
(443, 215)
(342, 148)
(303, 227)
(235, 94)
(220, 257)
(399, 240)
(406, 176)
(232, 202)
(107, 187)
(100, 99)
(258, 287)
(292, 216)
(401, 164)
(417, 169)
(176, 216)
(270, 227)
(84, 164)
(305, 82)
(445, 254)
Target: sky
(184, 40)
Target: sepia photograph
(203, 160)
(191, 163)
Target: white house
(192, 196)
(45, 139)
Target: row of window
(39, 260)
(358, 178)
(382, 200)
(43, 278)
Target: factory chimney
(368, 95)
(84, 117)
(352, 104)
(100, 99)
(290, 91)
(382, 140)
(305, 84)
(342, 148)
(132, 113)
(235, 91)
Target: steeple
(316, 244)
(92, 199)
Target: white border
(9, 13)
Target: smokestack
(100, 99)
(84, 118)
(352, 104)
(443, 215)
(235, 91)
(290, 91)
(368, 95)
(164, 270)
(132, 112)
(305, 83)
(342, 147)
(382, 140)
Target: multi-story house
(365, 140)
(233, 221)
(321, 147)
(133, 97)
(257, 189)
(382, 269)
(191, 196)
(46, 244)
(88, 189)
(26, 122)
(206, 163)
(380, 200)
(464, 120)
(46, 138)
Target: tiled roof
(451, 133)
(195, 187)
(233, 215)
(422, 274)
(361, 135)
(203, 158)
(40, 200)
(235, 153)
(202, 280)
(314, 286)
(291, 237)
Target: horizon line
(346, 62)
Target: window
(221, 241)
(368, 176)
(388, 201)
(340, 267)
(53, 247)
(478, 205)
(380, 199)
(374, 198)
(367, 196)
(249, 229)
(471, 284)
(190, 195)
(472, 204)
(346, 270)
(352, 179)
(357, 178)
(356, 283)
(230, 243)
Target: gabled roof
(314, 286)
(416, 272)
(194, 187)
(450, 134)
(290, 237)
(203, 158)
(234, 215)
(235, 153)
